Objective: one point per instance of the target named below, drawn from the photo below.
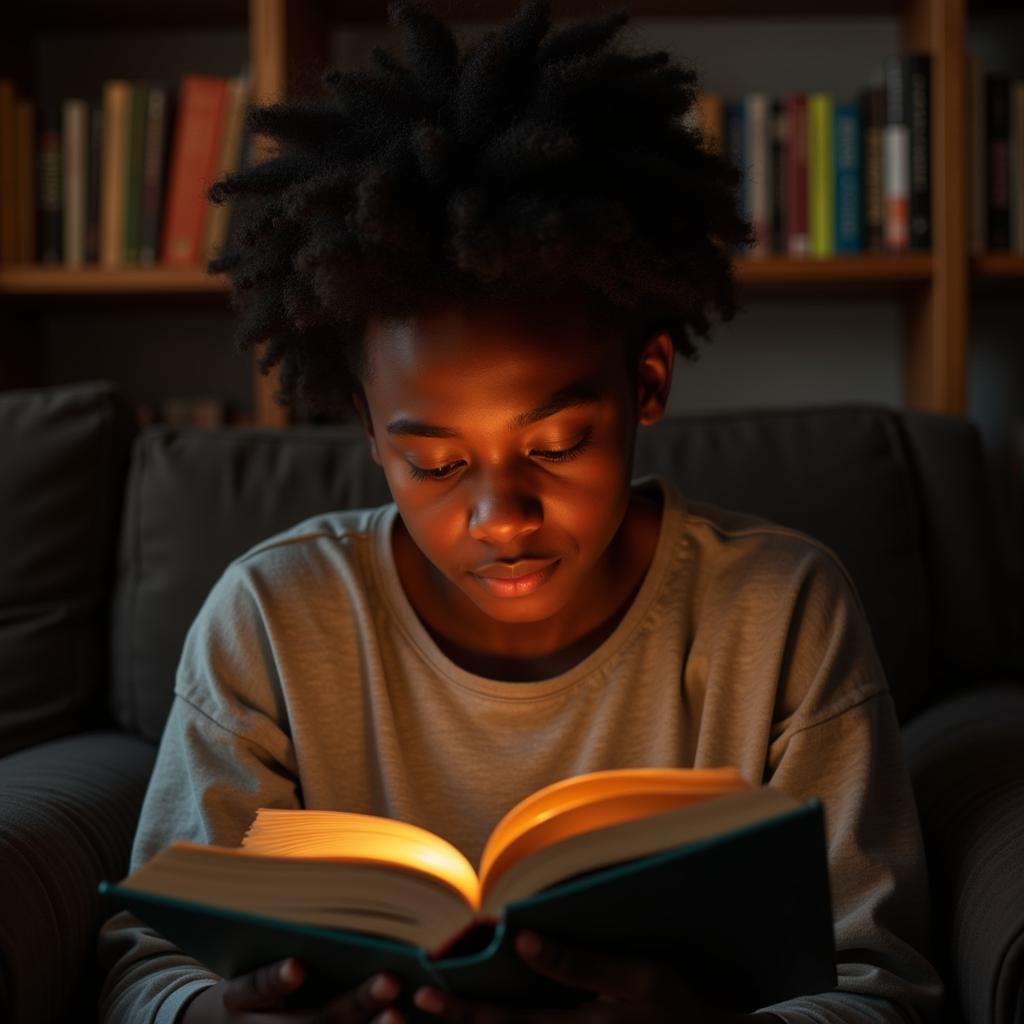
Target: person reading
(491, 260)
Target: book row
(121, 181)
(824, 176)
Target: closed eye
(564, 455)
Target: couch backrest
(63, 461)
(867, 481)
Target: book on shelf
(825, 174)
(205, 411)
(821, 174)
(101, 181)
(725, 880)
(995, 158)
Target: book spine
(133, 172)
(1016, 152)
(873, 116)
(8, 173)
(997, 96)
(195, 149)
(820, 174)
(734, 134)
(238, 94)
(25, 117)
(896, 159)
(92, 221)
(708, 119)
(757, 145)
(797, 242)
(976, 226)
(848, 177)
(778, 164)
(75, 150)
(49, 184)
(917, 90)
(153, 174)
(116, 103)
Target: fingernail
(429, 1000)
(384, 987)
(528, 943)
(287, 972)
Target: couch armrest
(68, 811)
(966, 759)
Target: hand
(251, 997)
(629, 992)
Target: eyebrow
(583, 391)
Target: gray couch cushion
(197, 499)
(63, 461)
(966, 759)
(68, 811)
(839, 474)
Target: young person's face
(488, 461)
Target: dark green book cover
(746, 918)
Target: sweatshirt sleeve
(223, 754)
(841, 743)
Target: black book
(997, 149)
(917, 89)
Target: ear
(654, 378)
(362, 410)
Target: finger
(621, 978)
(264, 987)
(364, 1002)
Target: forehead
(446, 352)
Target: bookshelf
(286, 40)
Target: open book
(625, 850)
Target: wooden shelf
(289, 39)
(32, 279)
(500, 10)
(998, 265)
(854, 269)
(35, 279)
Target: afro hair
(541, 164)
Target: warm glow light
(366, 839)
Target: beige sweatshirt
(307, 680)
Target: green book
(741, 907)
(134, 153)
(821, 204)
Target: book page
(630, 840)
(596, 800)
(361, 839)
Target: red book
(198, 133)
(797, 240)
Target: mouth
(513, 581)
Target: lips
(504, 571)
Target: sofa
(113, 535)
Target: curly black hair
(540, 164)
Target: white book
(896, 159)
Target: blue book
(742, 908)
(849, 171)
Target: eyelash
(560, 456)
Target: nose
(504, 510)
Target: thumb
(264, 987)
